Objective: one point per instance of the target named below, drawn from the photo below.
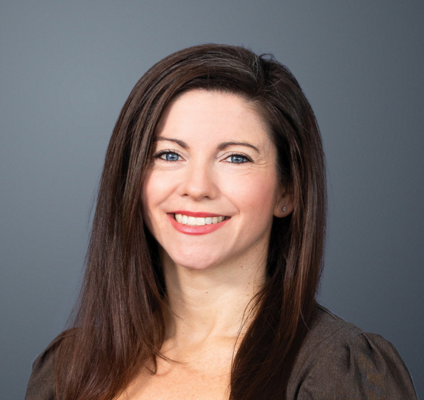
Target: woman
(206, 250)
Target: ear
(284, 205)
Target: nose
(199, 182)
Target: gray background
(66, 70)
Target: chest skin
(199, 372)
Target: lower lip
(196, 230)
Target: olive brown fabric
(336, 361)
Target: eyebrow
(179, 142)
(222, 146)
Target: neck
(214, 302)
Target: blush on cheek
(260, 196)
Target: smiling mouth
(195, 221)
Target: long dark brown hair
(118, 325)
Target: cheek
(155, 188)
(151, 196)
(256, 194)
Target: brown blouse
(336, 361)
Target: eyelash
(246, 158)
(163, 152)
(160, 155)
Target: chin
(193, 261)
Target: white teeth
(193, 221)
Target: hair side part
(119, 320)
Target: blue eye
(238, 159)
(168, 156)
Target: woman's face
(212, 189)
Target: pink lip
(196, 230)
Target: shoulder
(339, 360)
(41, 385)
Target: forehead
(219, 114)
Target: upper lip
(197, 214)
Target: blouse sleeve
(356, 365)
(41, 385)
